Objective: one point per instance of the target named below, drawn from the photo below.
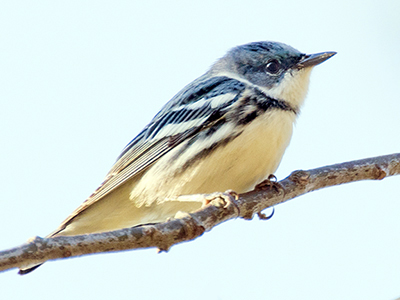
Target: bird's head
(281, 71)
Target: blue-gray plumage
(228, 129)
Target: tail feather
(28, 270)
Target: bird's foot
(270, 183)
(179, 215)
(224, 200)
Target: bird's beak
(311, 60)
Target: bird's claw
(264, 217)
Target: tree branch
(191, 226)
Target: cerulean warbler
(228, 129)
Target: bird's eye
(273, 66)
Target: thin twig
(191, 226)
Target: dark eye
(273, 66)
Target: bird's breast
(238, 164)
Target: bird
(226, 130)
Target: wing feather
(178, 121)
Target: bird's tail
(31, 268)
(28, 270)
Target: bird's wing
(196, 107)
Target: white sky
(79, 79)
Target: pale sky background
(79, 79)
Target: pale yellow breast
(239, 165)
(246, 160)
